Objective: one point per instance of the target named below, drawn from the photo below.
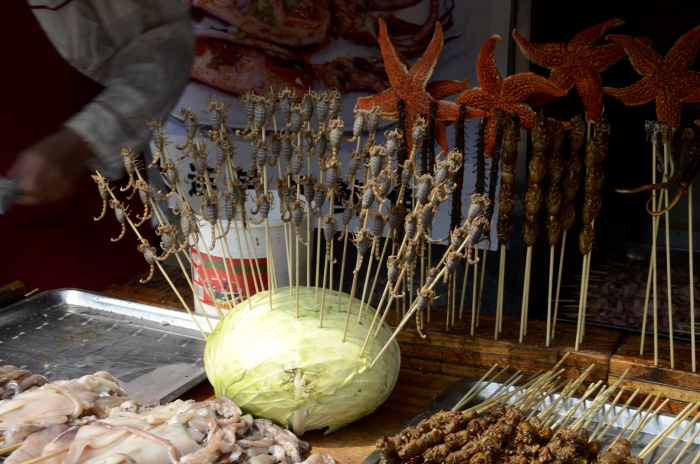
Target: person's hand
(50, 169)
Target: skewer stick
(47, 456)
(669, 293)
(549, 295)
(607, 394)
(499, 293)
(688, 443)
(346, 231)
(327, 261)
(471, 390)
(526, 294)
(464, 287)
(691, 408)
(367, 274)
(554, 387)
(574, 408)
(646, 420)
(475, 289)
(454, 296)
(487, 244)
(607, 413)
(652, 263)
(614, 419)
(561, 268)
(495, 397)
(11, 448)
(581, 307)
(634, 416)
(566, 394)
(691, 276)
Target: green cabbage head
(284, 368)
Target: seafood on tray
(91, 419)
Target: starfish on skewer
(409, 85)
(666, 80)
(578, 63)
(506, 94)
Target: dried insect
(577, 134)
(188, 223)
(553, 226)
(597, 146)
(553, 200)
(362, 241)
(358, 125)
(392, 141)
(354, 164)
(297, 162)
(373, 119)
(297, 208)
(259, 115)
(377, 159)
(430, 275)
(190, 122)
(567, 216)
(149, 254)
(320, 194)
(394, 266)
(475, 208)
(120, 212)
(210, 213)
(217, 112)
(538, 167)
(571, 185)
(229, 211)
(200, 170)
(541, 133)
(411, 251)
(286, 99)
(457, 237)
(507, 172)
(347, 215)
(423, 189)
(145, 194)
(395, 213)
(308, 182)
(556, 167)
(419, 128)
(261, 154)
(322, 104)
(446, 168)
(425, 298)
(594, 181)
(333, 168)
(530, 231)
(556, 136)
(335, 103)
(381, 184)
(591, 208)
(453, 260)
(506, 200)
(476, 232)
(586, 240)
(131, 166)
(378, 224)
(158, 139)
(248, 102)
(504, 229)
(335, 133)
(427, 213)
(321, 144)
(286, 149)
(367, 197)
(295, 120)
(104, 194)
(533, 200)
(264, 204)
(168, 239)
(307, 107)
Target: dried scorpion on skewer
(168, 240)
(264, 203)
(200, 169)
(330, 227)
(359, 124)
(210, 213)
(191, 125)
(362, 240)
(378, 224)
(145, 194)
(188, 223)
(297, 210)
(394, 266)
(158, 138)
(453, 260)
(425, 298)
(333, 168)
(172, 175)
(346, 216)
(104, 194)
(217, 112)
(683, 178)
(149, 254)
(131, 166)
(381, 184)
(120, 212)
(286, 98)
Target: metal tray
(454, 393)
(155, 353)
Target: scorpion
(308, 183)
(427, 214)
(229, 210)
(335, 105)
(431, 275)
(330, 227)
(210, 213)
(120, 212)
(191, 125)
(335, 134)
(217, 112)
(296, 163)
(286, 99)
(104, 194)
(392, 141)
(378, 159)
(264, 203)
(131, 166)
(168, 236)
(359, 124)
(200, 168)
(446, 169)
(248, 101)
(188, 223)
(149, 254)
(475, 208)
(225, 150)
(423, 189)
(319, 198)
(367, 197)
(354, 164)
(426, 297)
(295, 120)
(394, 266)
(307, 106)
(683, 178)
(320, 143)
(322, 105)
(382, 183)
(361, 240)
(475, 233)
(158, 138)
(333, 168)
(346, 216)
(297, 216)
(307, 143)
(453, 260)
(374, 118)
(378, 224)
(145, 194)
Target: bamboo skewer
(561, 268)
(473, 392)
(607, 413)
(464, 287)
(614, 419)
(47, 456)
(689, 409)
(634, 416)
(11, 448)
(475, 289)
(487, 244)
(549, 295)
(667, 228)
(526, 294)
(499, 295)
(581, 307)
(688, 443)
(691, 277)
(646, 420)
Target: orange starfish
(578, 63)
(507, 94)
(409, 85)
(666, 80)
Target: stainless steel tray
(454, 393)
(155, 353)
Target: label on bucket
(215, 269)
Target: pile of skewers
(91, 418)
(542, 421)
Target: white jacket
(140, 50)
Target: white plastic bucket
(249, 261)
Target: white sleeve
(140, 50)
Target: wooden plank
(679, 384)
